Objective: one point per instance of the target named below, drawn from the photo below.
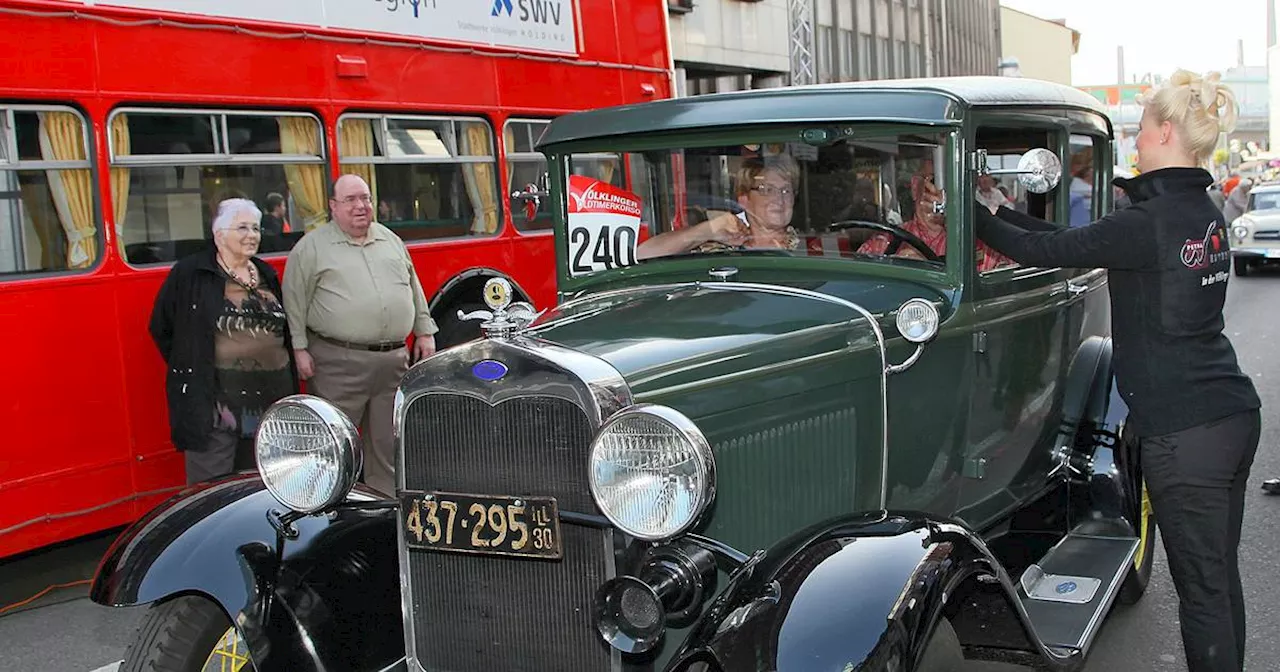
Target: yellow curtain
(62, 139)
(120, 178)
(356, 140)
(479, 178)
(299, 135)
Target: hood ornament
(504, 318)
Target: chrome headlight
(1240, 232)
(308, 453)
(918, 320)
(652, 472)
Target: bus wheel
(186, 634)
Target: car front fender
(299, 594)
(856, 593)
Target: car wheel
(1135, 584)
(1241, 266)
(186, 634)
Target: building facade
(1037, 48)
(730, 45)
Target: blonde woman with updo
(1194, 413)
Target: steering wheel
(899, 234)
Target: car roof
(1269, 187)
(934, 101)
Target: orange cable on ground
(46, 591)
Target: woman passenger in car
(1194, 413)
(929, 225)
(765, 188)
(219, 324)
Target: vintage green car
(788, 414)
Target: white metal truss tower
(800, 13)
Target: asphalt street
(64, 632)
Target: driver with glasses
(765, 187)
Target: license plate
(488, 524)
(1273, 254)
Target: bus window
(526, 168)
(180, 164)
(48, 213)
(527, 175)
(431, 177)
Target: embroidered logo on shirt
(1199, 254)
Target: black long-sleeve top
(1168, 261)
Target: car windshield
(1265, 200)
(858, 193)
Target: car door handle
(1076, 289)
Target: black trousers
(1196, 479)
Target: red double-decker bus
(124, 122)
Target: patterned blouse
(937, 241)
(790, 242)
(250, 359)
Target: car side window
(1005, 147)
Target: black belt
(384, 346)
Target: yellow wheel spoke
(228, 655)
(1144, 527)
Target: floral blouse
(937, 241)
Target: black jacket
(1169, 262)
(182, 324)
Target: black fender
(860, 592)
(320, 594)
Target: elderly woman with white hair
(220, 326)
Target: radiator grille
(494, 613)
(524, 446)
(476, 612)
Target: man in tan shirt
(352, 297)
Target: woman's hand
(728, 229)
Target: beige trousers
(362, 384)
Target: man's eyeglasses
(770, 191)
(359, 198)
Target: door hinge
(975, 467)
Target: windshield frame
(694, 266)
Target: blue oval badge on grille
(489, 369)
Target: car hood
(1268, 218)
(659, 336)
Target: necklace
(249, 286)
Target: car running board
(1068, 593)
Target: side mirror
(1039, 170)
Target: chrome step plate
(1058, 587)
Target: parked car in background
(1255, 235)
(870, 448)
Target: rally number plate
(492, 525)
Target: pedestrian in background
(220, 326)
(352, 299)
(1237, 203)
(1195, 414)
